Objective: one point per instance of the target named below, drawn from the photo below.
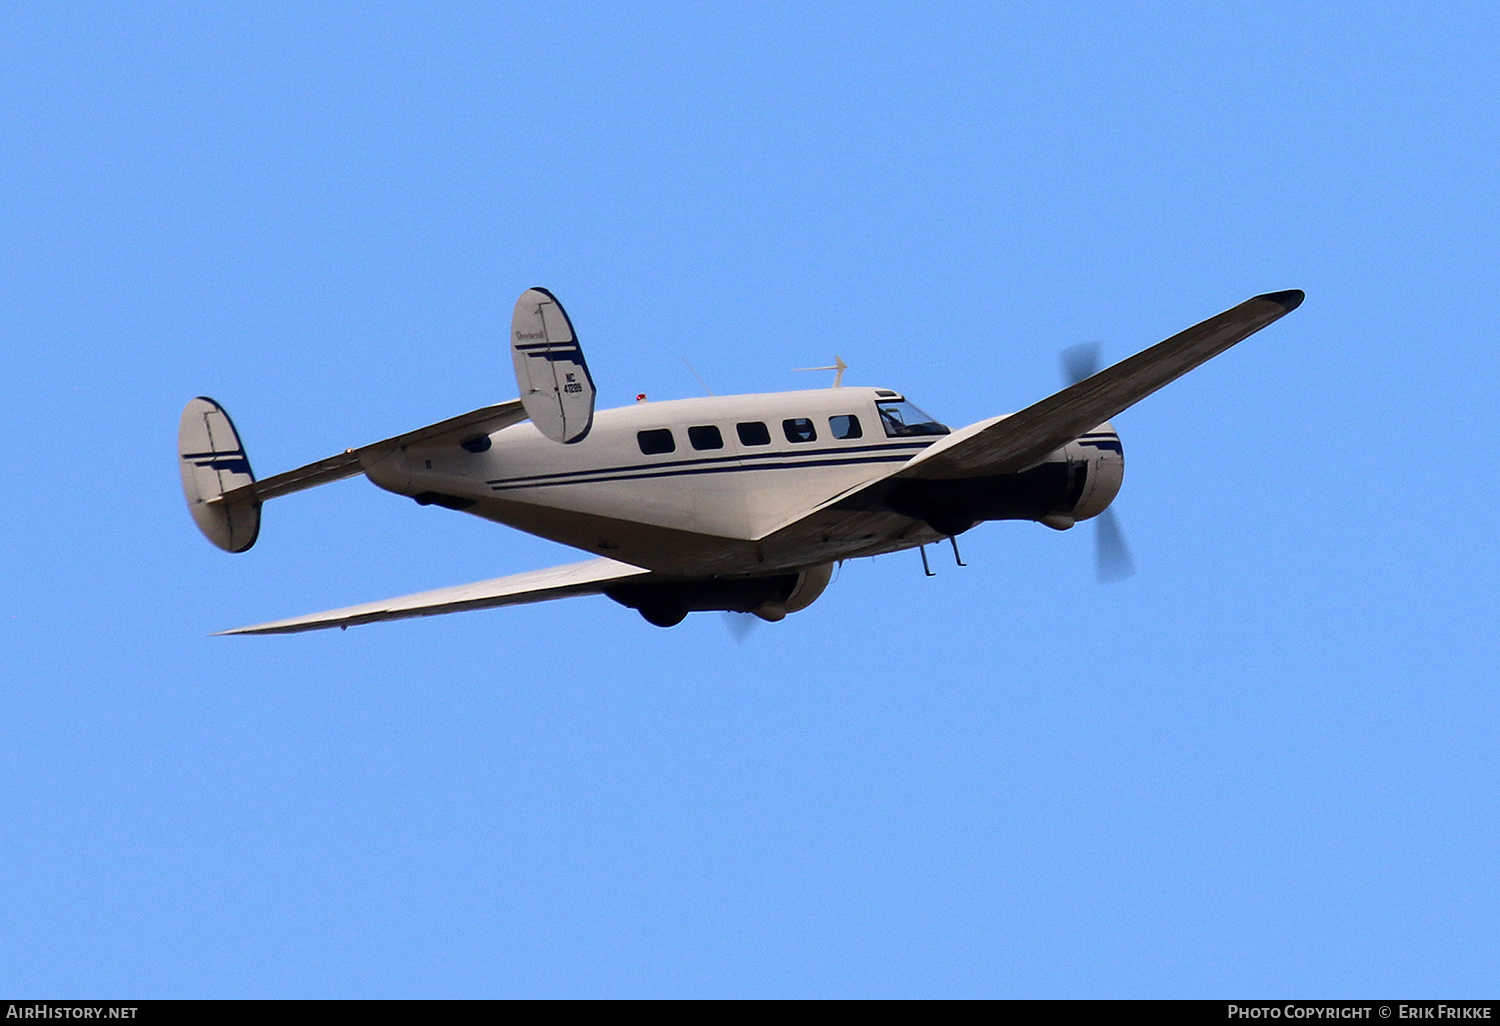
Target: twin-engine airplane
(737, 503)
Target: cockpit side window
(902, 419)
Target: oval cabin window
(846, 426)
(656, 443)
(753, 433)
(706, 437)
(799, 429)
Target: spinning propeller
(740, 625)
(1111, 555)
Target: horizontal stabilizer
(587, 578)
(350, 462)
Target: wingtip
(1288, 300)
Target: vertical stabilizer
(555, 385)
(213, 462)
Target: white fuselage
(682, 486)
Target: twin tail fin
(213, 462)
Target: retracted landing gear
(664, 616)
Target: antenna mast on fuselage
(838, 368)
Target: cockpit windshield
(902, 419)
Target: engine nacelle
(1098, 462)
(1075, 483)
(666, 603)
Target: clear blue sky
(1266, 765)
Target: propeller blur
(1111, 555)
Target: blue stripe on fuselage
(731, 461)
(686, 470)
(776, 460)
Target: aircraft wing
(1009, 444)
(587, 578)
(353, 461)
(1005, 445)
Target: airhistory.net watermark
(43, 1010)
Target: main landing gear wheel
(664, 616)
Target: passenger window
(846, 426)
(799, 429)
(753, 433)
(654, 443)
(706, 437)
